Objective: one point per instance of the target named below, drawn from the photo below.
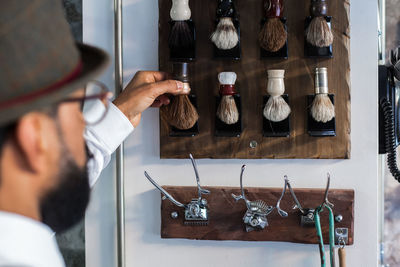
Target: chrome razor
(255, 217)
(196, 211)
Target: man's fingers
(162, 100)
(156, 104)
(152, 76)
(168, 87)
(147, 77)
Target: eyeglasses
(95, 94)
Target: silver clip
(255, 217)
(196, 211)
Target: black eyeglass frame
(104, 97)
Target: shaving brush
(227, 110)
(276, 109)
(225, 36)
(181, 113)
(181, 35)
(322, 109)
(318, 32)
(273, 34)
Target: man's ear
(32, 136)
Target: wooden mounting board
(252, 78)
(225, 216)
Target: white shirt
(105, 137)
(26, 242)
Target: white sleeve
(104, 138)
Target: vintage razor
(255, 217)
(307, 217)
(196, 211)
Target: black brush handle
(181, 71)
(319, 8)
(226, 8)
(273, 8)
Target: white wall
(144, 247)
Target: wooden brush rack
(251, 84)
(225, 215)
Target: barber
(50, 151)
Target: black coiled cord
(390, 141)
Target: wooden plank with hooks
(225, 215)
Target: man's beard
(65, 205)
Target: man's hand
(146, 89)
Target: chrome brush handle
(165, 193)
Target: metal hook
(200, 190)
(326, 201)
(165, 193)
(342, 242)
(298, 205)
(281, 212)
(242, 196)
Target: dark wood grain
(252, 78)
(225, 221)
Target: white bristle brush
(227, 110)
(181, 34)
(225, 36)
(322, 108)
(276, 109)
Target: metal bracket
(341, 236)
(307, 219)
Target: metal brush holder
(196, 211)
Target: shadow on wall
(72, 246)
